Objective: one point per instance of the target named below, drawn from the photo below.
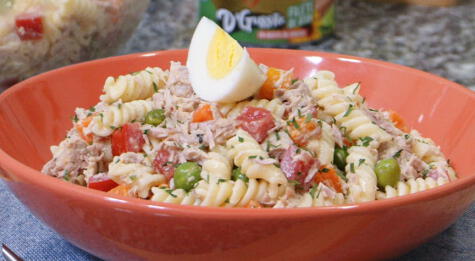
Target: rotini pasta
(346, 112)
(230, 193)
(317, 145)
(362, 180)
(177, 196)
(411, 186)
(138, 177)
(233, 110)
(246, 151)
(324, 146)
(117, 115)
(136, 86)
(216, 166)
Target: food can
(272, 22)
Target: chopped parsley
(240, 139)
(75, 118)
(425, 172)
(348, 111)
(92, 109)
(252, 157)
(170, 192)
(308, 118)
(66, 175)
(294, 122)
(324, 170)
(221, 180)
(155, 87)
(356, 88)
(397, 154)
(298, 150)
(133, 177)
(277, 136)
(113, 127)
(119, 105)
(294, 81)
(270, 145)
(313, 190)
(277, 165)
(364, 100)
(365, 141)
(299, 113)
(361, 161)
(352, 167)
(406, 136)
(145, 132)
(294, 182)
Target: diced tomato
(204, 113)
(257, 122)
(327, 175)
(165, 162)
(29, 26)
(128, 138)
(297, 163)
(101, 183)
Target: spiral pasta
(232, 110)
(216, 166)
(137, 86)
(245, 151)
(138, 177)
(322, 196)
(346, 112)
(410, 186)
(362, 180)
(229, 193)
(324, 146)
(117, 115)
(177, 196)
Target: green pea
(187, 175)
(388, 172)
(237, 174)
(339, 157)
(155, 117)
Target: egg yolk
(223, 54)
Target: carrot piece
(121, 190)
(299, 130)
(253, 204)
(204, 113)
(273, 76)
(398, 121)
(80, 128)
(327, 175)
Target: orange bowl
(35, 114)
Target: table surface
(437, 40)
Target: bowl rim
(32, 176)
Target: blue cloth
(32, 240)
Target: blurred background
(437, 37)
(439, 40)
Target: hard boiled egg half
(220, 69)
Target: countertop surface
(437, 40)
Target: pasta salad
(294, 143)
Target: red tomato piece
(29, 26)
(165, 162)
(257, 122)
(103, 183)
(128, 138)
(297, 163)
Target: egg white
(241, 82)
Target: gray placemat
(32, 240)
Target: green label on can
(270, 21)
